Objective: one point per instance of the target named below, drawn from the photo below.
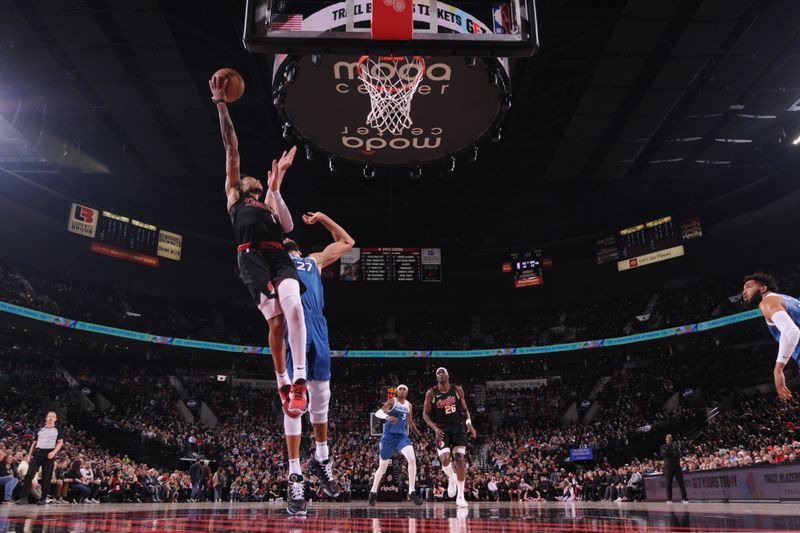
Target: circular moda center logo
(455, 105)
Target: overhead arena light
(796, 141)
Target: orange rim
(420, 61)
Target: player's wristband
(469, 422)
(218, 100)
(380, 413)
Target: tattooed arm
(232, 187)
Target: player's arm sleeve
(383, 412)
(284, 216)
(790, 335)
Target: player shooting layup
(264, 265)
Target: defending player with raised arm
(319, 364)
(399, 416)
(446, 413)
(782, 314)
(264, 266)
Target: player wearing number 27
(319, 363)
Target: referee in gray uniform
(42, 455)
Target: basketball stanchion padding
(391, 83)
(392, 20)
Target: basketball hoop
(391, 83)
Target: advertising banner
(770, 482)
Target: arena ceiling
(631, 108)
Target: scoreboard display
(648, 237)
(647, 243)
(526, 268)
(127, 234)
(125, 238)
(391, 264)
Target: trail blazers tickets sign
(83, 220)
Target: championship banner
(169, 245)
(82, 220)
(773, 482)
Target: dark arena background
(556, 201)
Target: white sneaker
(618, 500)
(685, 501)
(452, 486)
(669, 502)
(461, 502)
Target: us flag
(285, 21)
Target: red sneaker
(298, 401)
(285, 393)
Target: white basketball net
(391, 83)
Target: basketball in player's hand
(235, 87)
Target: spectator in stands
(62, 486)
(88, 474)
(8, 475)
(634, 488)
(494, 490)
(116, 488)
(612, 489)
(219, 480)
(78, 485)
(525, 491)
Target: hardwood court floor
(574, 517)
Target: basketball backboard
(474, 28)
(391, 82)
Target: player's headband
(402, 387)
(442, 368)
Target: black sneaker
(324, 471)
(414, 497)
(373, 499)
(22, 501)
(296, 496)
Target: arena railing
(78, 325)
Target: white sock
(294, 467)
(382, 466)
(283, 378)
(292, 305)
(408, 453)
(449, 470)
(460, 489)
(322, 452)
